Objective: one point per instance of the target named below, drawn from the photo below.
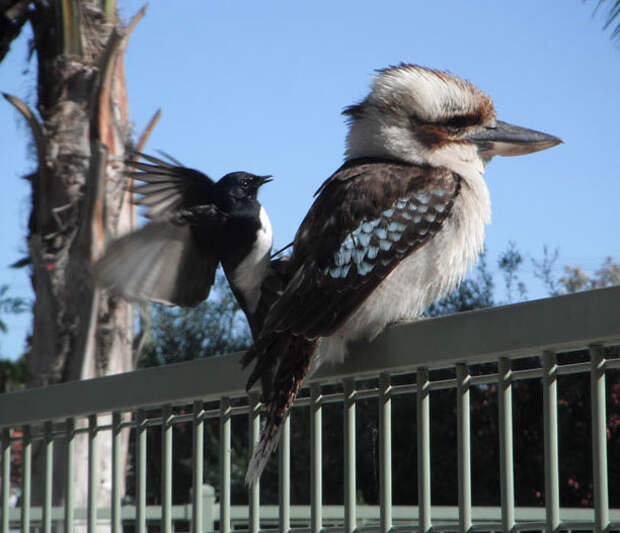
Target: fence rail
(214, 390)
(405, 517)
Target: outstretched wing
(367, 218)
(168, 188)
(171, 259)
(161, 262)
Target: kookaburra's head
(431, 117)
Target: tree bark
(79, 202)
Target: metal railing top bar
(334, 513)
(171, 384)
(560, 324)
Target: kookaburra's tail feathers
(292, 366)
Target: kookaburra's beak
(508, 139)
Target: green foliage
(509, 263)
(12, 305)
(13, 374)
(543, 270)
(575, 279)
(216, 326)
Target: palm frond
(612, 17)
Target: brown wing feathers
(387, 211)
(367, 218)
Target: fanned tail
(292, 355)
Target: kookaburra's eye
(454, 125)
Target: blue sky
(259, 86)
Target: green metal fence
(401, 362)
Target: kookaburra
(394, 229)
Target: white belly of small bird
(428, 273)
(249, 275)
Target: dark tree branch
(13, 16)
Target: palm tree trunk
(79, 202)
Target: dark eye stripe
(431, 133)
(462, 121)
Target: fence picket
(284, 476)
(506, 459)
(254, 489)
(550, 421)
(48, 454)
(140, 471)
(385, 452)
(225, 455)
(197, 464)
(69, 474)
(464, 446)
(599, 438)
(6, 478)
(166, 467)
(424, 450)
(316, 460)
(26, 478)
(350, 488)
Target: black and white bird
(395, 228)
(195, 225)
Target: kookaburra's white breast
(425, 275)
(249, 274)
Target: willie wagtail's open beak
(508, 139)
(261, 180)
